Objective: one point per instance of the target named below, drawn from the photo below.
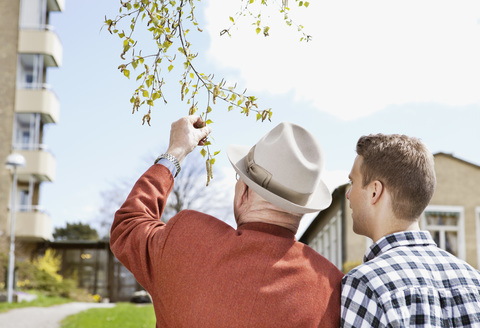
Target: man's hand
(186, 134)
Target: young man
(405, 280)
(200, 271)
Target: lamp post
(14, 160)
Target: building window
(329, 241)
(30, 71)
(26, 133)
(446, 225)
(33, 14)
(24, 200)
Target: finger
(199, 123)
(193, 119)
(203, 134)
(202, 142)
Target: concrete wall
(8, 67)
(458, 185)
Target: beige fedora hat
(284, 168)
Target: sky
(406, 67)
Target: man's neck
(271, 216)
(396, 225)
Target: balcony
(41, 101)
(40, 163)
(33, 225)
(45, 42)
(56, 5)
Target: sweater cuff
(168, 164)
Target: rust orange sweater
(202, 272)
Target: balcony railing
(41, 41)
(32, 208)
(35, 86)
(33, 226)
(34, 147)
(43, 101)
(40, 164)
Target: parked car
(141, 296)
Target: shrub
(42, 275)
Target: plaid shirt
(407, 281)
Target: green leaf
(258, 30)
(170, 68)
(212, 161)
(216, 153)
(209, 109)
(126, 72)
(306, 4)
(232, 20)
(209, 122)
(203, 152)
(145, 93)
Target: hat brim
(320, 199)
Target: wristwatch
(172, 159)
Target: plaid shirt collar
(404, 238)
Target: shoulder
(319, 263)
(193, 224)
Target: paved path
(44, 317)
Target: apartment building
(452, 217)
(30, 47)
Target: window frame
(460, 228)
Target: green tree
(75, 231)
(170, 25)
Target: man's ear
(375, 191)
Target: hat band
(264, 178)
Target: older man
(405, 280)
(200, 271)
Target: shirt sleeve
(360, 306)
(169, 165)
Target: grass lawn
(41, 301)
(123, 315)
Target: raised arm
(137, 232)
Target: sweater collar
(267, 228)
